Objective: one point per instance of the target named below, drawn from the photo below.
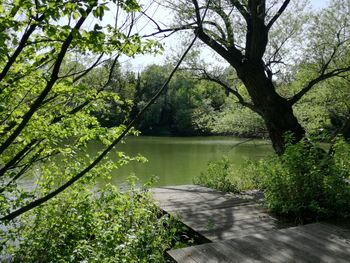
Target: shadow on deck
(242, 231)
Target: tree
(183, 108)
(322, 111)
(254, 36)
(48, 53)
(122, 84)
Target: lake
(177, 160)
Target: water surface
(177, 160)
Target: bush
(223, 176)
(306, 183)
(217, 177)
(84, 226)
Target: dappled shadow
(316, 242)
(242, 231)
(214, 214)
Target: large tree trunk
(274, 109)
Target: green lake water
(176, 160)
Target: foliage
(224, 176)
(121, 83)
(284, 35)
(81, 225)
(217, 177)
(184, 109)
(192, 107)
(49, 61)
(306, 183)
(238, 120)
(325, 108)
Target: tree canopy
(263, 41)
(49, 53)
(62, 86)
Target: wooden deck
(242, 231)
(216, 215)
(316, 242)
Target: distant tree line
(193, 106)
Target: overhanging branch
(75, 178)
(207, 76)
(315, 81)
(278, 14)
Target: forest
(281, 73)
(195, 106)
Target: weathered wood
(197, 198)
(214, 214)
(310, 243)
(243, 231)
(180, 255)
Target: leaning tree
(258, 38)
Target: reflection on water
(176, 160)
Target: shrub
(84, 226)
(306, 183)
(224, 176)
(217, 177)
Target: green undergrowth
(217, 176)
(305, 184)
(223, 176)
(106, 225)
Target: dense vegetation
(102, 226)
(188, 107)
(263, 42)
(201, 107)
(304, 184)
(62, 87)
(56, 67)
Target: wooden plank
(181, 255)
(341, 223)
(233, 256)
(297, 244)
(236, 232)
(200, 204)
(300, 247)
(189, 195)
(327, 238)
(213, 214)
(207, 253)
(228, 216)
(246, 232)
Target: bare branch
(207, 76)
(278, 14)
(233, 56)
(315, 81)
(227, 22)
(218, 27)
(171, 30)
(243, 11)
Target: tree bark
(276, 111)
